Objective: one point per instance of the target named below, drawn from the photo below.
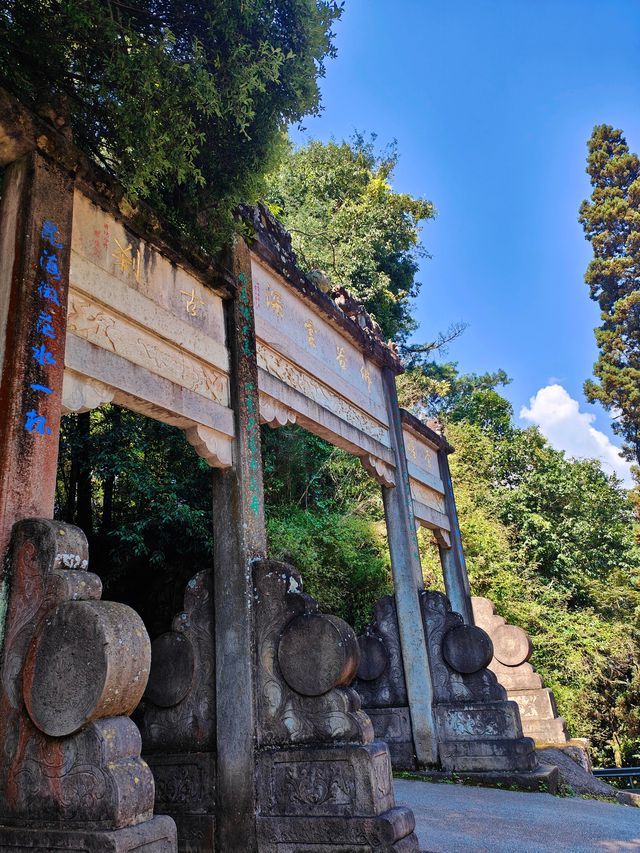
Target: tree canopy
(184, 101)
(346, 220)
(611, 221)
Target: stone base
(487, 755)
(544, 778)
(393, 726)
(185, 790)
(315, 800)
(157, 835)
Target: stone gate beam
(454, 568)
(239, 538)
(35, 247)
(407, 580)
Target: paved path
(463, 819)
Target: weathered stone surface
(393, 726)
(172, 670)
(286, 716)
(512, 645)
(374, 658)
(328, 797)
(90, 661)
(477, 729)
(93, 779)
(388, 688)
(35, 242)
(179, 718)
(157, 835)
(512, 649)
(318, 652)
(182, 679)
(467, 649)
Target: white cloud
(560, 420)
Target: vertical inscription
(46, 327)
(250, 393)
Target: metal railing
(621, 777)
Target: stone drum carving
(323, 782)
(73, 668)
(512, 650)
(477, 729)
(178, 719)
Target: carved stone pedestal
(324, 799)
(73, 668)
(178, 720)
(323, 784)
(511, 650)
(477, 729)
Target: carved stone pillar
(454, 567)
(73, 668)
(407, 581)
(35, 247)
(239, 537)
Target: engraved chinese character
(42, 355)
(341, 358)
(44, 325)
(274, 301)
(192, 303)
(412, 450)
(49, 293)
(50, 233)
(311, 333)
(49, 263)
(36, 423)
(127, 260)
(366, 376)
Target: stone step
(544, 778)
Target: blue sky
(491, 104)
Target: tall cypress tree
(611, 221)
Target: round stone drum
(467, 648)
(511, 645)
(374, 657)
(318, 652)
(90, 661)
(172, 669)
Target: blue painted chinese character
(36, 423)
(48, 292)
(44, 324)
(44, 388)
(49, 263)
(50, 233)
(42, 355)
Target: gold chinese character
(341, 357)
(412, 450)
(311, 333)
(366, 376)
(192, 303)
(127, 260)
(274, 301)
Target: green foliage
(342, 559)
(184, 101)
(345, 219)
(611, 221)
(143, 498)
(303, 470)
